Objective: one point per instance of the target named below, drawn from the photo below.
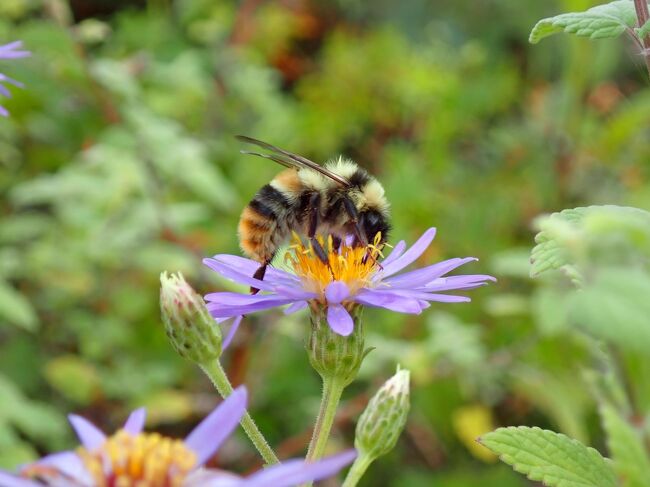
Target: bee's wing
(290, 159)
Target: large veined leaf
(551, 458)
(609, 20)
(626, 447)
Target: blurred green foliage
(119, 162)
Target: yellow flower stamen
(353, 265)
(144, 460)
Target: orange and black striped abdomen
(266, 222)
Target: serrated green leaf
(549, 254)
(615, 307)
(576, 238)
(16, 308)
(626, 447)
(609, 20)
(551, 458)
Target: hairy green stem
(359, 467)
(332, 390)
(220, 380)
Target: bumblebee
(339, 199)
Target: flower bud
(334, 355)
(384, 418)
(188, 324)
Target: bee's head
(372, 222)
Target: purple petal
(3, 111)
(297, 306)
(270, 301)
(296, 292)
(410, 256)
(7, 79)
(208, 436)
(457, 282)
(68, 463)
(236, 276)
(426, 274)
(389, 300)
(238, 299)
(397, 251)
(210, 477)
(9, 480)
(135, 422)
(408, 294)
(339, 319)
(248, 267)
(448, 298)
(7, 51)
(294, 472)
(336, 292)
(89, 435)
(231, 332)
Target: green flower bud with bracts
(384, 418)
(331, 354)
(189, 326)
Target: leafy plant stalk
(218, 376)
(332, 390)
(359, 468)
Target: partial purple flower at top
(131, 457)
(351, 277)
(10, 51)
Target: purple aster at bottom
(131, 457)
(353, 276)
(10, 51)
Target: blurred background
(118, 162)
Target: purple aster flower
(10, 51)
(352, 277)
(131, 457)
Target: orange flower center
(353, 265)
(144, 460)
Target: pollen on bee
(352, 264)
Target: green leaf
(549, 457)
(549, 254)
(626, 447)
(609, 20)
(615, 307)
(16, 308)
(573, 240)
(73, 377)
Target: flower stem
(643, 15)
(332, 390)
(359, 467)
(220, 380)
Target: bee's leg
(360, 233)
(314, 215)
(353, 214)
(259, 275)
(336, 243)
